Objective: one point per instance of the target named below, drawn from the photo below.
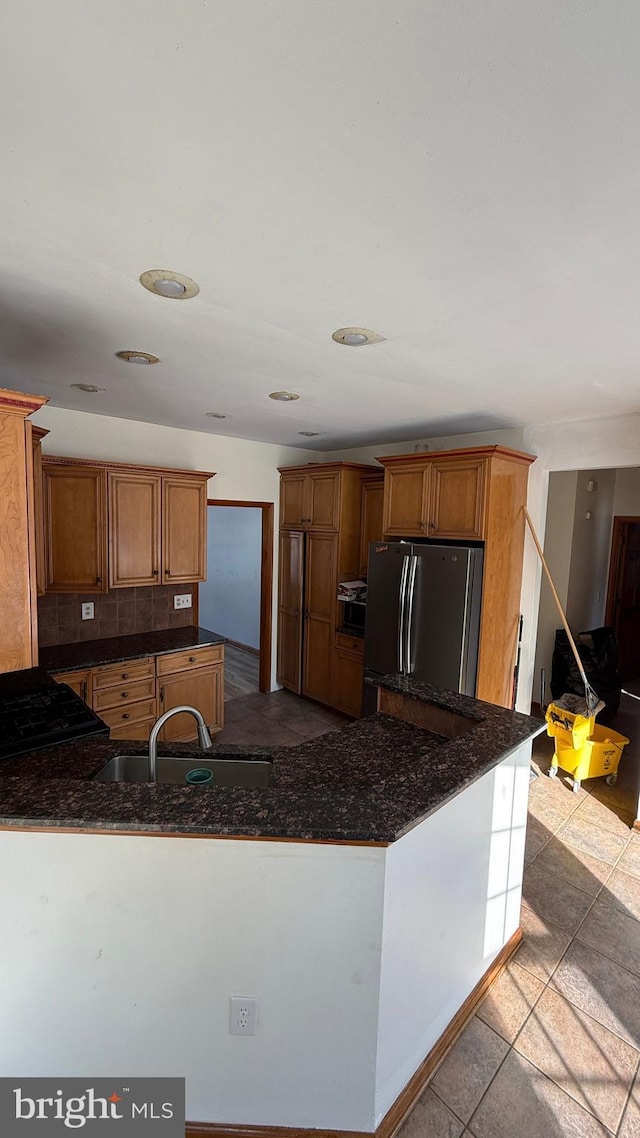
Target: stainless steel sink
(231, 771)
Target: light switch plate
(88, 610)
(182, 601)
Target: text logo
(128, 1108)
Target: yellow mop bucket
(583, 748)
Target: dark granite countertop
(370, 781)
(113, 649)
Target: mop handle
(629, 693)
(557, 600)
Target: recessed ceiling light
(309, 434)
(138, 357)
(87, 387)
(356, 337)
(173, 286)
(215, 415)
(284, 396)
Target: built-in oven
(353, 617)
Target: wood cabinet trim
(19, 403)
(471, 452)
(129, 467)
(326, 467)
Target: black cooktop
(36, 712)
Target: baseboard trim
(242, 647)
(407, 1098)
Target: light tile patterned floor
(554, 1049)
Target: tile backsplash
(118, 613)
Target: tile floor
(554, 1049)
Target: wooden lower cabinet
(202, 688)
(348, 677)
(79, 682)
(129, 698)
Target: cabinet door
(134, 529)
(75, 529)
(320, 615)
(79, 682)
(371, 519)
(323, 494)
(292, 500)
(184, 552)
(406, 491)
(38, 509)
(201, 688)
(348, 677)
(290, 583)
(457, 498)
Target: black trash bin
(598, 651)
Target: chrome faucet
(204, 737)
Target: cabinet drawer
(354, 644)
(131, 713)
(123, 673)
(124, 693)
(190, 658)
(141, 729)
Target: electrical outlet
(243, 1015)
(182, 601)
(87, 611)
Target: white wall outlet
(87, 610)
(182, 601)
(243, 1015)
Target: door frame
(266, 583)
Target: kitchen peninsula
(363, 897)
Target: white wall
(595, 443)
(558, 540)
(118, 956)
(245, 471)
(587, 593)
(230, 596)
(626, 499)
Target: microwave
(353, 617)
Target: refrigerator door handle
(410, 587)
(402, 614)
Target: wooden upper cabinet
(439, 497)
(457, 498)
(184, 510)
(310, 499)
(292, 501)
(75, 499)
(371, 518)
(134, 529)
(406, 499)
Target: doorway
(236, 599)
(623, 593)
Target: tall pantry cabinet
(320, 525)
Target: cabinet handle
(192, 659)
(84, 690)
(123, 694)
(98, 580)
(124, 676)
(162, 694)
(126, 715)
(167, 573)
(155, 573)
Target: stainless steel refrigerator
(423, 614)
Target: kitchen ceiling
(462, 178)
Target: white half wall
(118, 955)
(245, 471)
(453, 885)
